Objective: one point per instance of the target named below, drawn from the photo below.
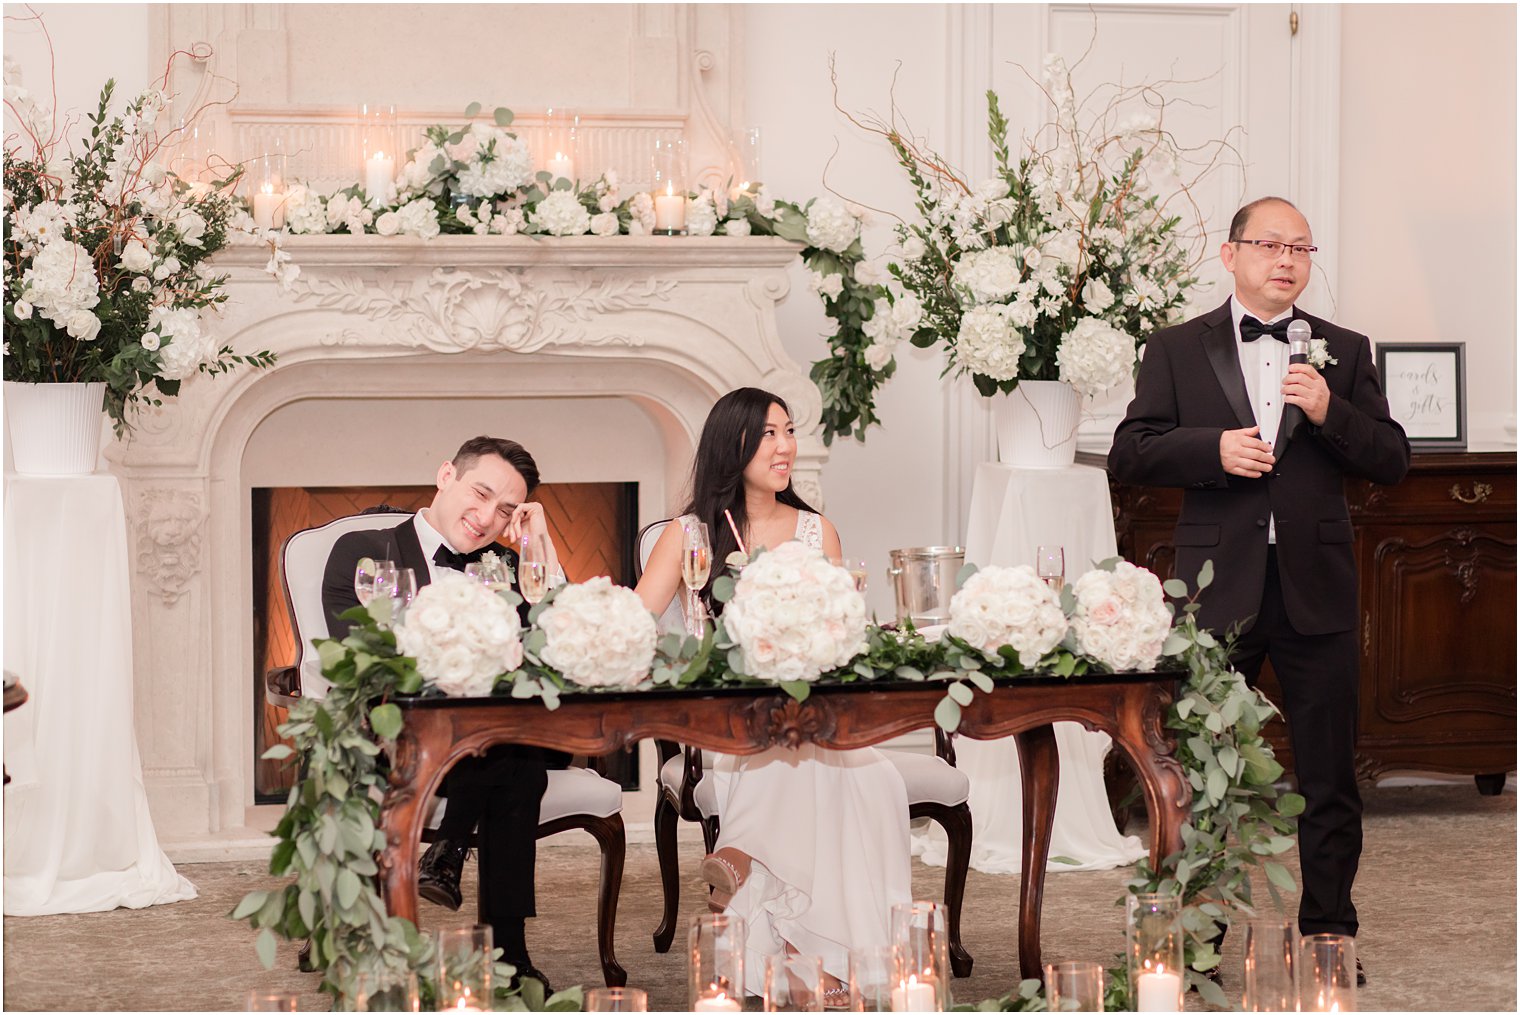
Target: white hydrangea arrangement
(599, 635)
(462, 635)
(794, 615)
(1121, 617)
(1055, 268)
(105, 256)
(1008, 606)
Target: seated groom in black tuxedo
(482, 496)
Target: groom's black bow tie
(445, 557)
(1251, 329)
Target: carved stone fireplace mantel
(657, 326)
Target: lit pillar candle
(717, 1002)
(669, 211)
(266, 207)
(1158, 991)
(379, 172)
(913, 995)
(561, 166)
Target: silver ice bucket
(923, 579)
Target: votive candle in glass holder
(871, 981)
(561, 143)
(271, 1000)
(378, 146)
(1074, 986)
(464, 968)
(1327, 973)
(920, 958)
(669, 188)
(747, 178)
(1271, 958)
(386, 990)
(793, 983)
(616, 999)
(1154, 933)
(269, 189)
(715, 947)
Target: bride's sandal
(726, 870)
(836, 998)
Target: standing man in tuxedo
(482, 496)
(1264, 499)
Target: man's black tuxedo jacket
(399, 544)
(1190, 388)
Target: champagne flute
(1050, 565)
(696, 565)
(533, 567)
(859, 572)
(364, 577)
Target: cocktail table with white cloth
(78, 834)
(1013, 512)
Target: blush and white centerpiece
(599, 635)
(1121, 617)
(462, 635)
(1008, 606)
(794, 615)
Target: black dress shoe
(438, 873)
(527, 971)
(1361, 974)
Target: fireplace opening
(593, 525)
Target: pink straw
(735, 530)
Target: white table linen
(1013, 512)
(78, 834)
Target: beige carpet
(1436, 895)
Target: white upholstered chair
(936, 790)
(575, 798)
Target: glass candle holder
(616, 999)
(386, 990)
(920, 958)
(793, 983)
(1271, 948)
(269, 189)
(871, 971)
(1154, 934)
(669, 189)
(562, 129)
(716, 968)
(378, 147)
(271, 1000)
(1327, 973)
(464, 968)
(747, 180)
(1074, 986)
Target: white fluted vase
(1037, 424)
(55, 428)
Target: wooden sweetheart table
(1129, 707)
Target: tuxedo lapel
(1219, 344)
(409, 549)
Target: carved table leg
(1040, 767)
(416, 768)
(1168, 797)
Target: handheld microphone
(1299, 334)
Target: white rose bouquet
(462, 635)
(599, 635)
(105, 256)
(1121, 618)
(794, 615)
(1009, 606)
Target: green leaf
(279, 752)
(947, 714)
(386, 720)
(723, 588)
(798, 689)
(964, 575)
(1218, 783)
(961, 693)
(1290, 805)
(1206, 575)
(981, 680)
(251, 903)
(471, 110)
(1175, 588)
(1279, 876)
(347, 887)
(503, 116)
(264, 946)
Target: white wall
(90, 43)
(1428, 189)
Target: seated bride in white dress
(813, 844)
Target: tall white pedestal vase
(1037, 424)
(55, 429)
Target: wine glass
(1050, 565)
(859, 572)
(405, 588)
(696, 565)
(364, 577)
(489, 575)
(533, 567)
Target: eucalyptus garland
(330, 832)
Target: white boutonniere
(1319, 353)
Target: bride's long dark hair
(730, 438)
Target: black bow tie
(1251, 329)
(445, 557)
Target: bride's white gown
(828, 831)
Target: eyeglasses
(1272, 248)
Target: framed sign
(1426, 384)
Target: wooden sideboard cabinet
(1436, 555)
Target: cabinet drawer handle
(1480, 492)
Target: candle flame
(670, 190)
(268, 188)
(377, 156)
